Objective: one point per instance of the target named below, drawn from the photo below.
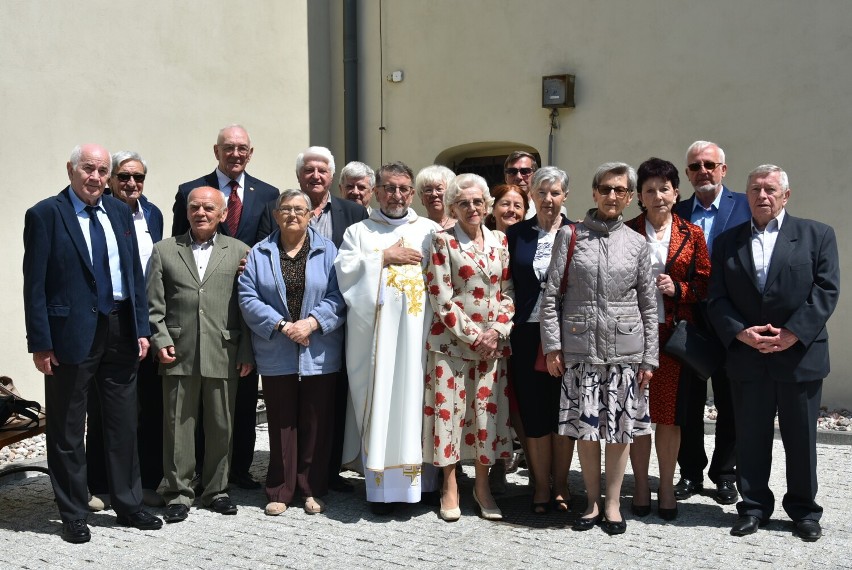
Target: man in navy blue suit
(87, 322)
(246, 198)
(714, 208)
(774, 284)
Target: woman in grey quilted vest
(601, 338)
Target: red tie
(235, 209)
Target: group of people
(400, 345)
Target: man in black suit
(713, 208)
(246, 208)
(87, 323)
(331, 216)
(774, 284)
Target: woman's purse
(541, 359)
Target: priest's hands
(398, 254)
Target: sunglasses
(126, 176)
(523, 171)
(707, 164)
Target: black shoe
(381, 509)
(340, 484)
(582, 524)
(143, 520)
(431, 498)
(808, 530)
(515, 461)
(76, 532)
(243, 481)
(726, 493)
(613, 528)
(746, 524)
(176, 513)
(224, 506)
(685, 488)
(667, 514)
(640, 510)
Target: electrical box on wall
(557, 91)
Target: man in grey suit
(774, 284)
(713, 208)
(204, 348)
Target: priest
(380, 273)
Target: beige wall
(766, 79)
(158, 77)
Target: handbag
(15, 412)
(540, 359)
(696, 348)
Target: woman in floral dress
(466, 409)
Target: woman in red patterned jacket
(681, 265)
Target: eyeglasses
(392, 189)
(298, 210)
(468, 204)
(126, 176)
(428, 190)
(241, 150)
(620, 191)
(526, 171)
(708, 165)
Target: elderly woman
(510, 207)
(530, 242)
(466, 410)
(431, 184)
(681, 268)
(290, 301)
(601, 339)
(127, 183)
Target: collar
(193, 242)
(697, 205)
(225, 180)
(489, 240)
(79, 205)
(592, 222)
(774, 224)
(408, 218)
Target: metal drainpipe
(350, 79)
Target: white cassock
(386, 323)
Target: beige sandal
(274, 509)
(314, 506)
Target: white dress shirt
(762, 246)
(201, 252)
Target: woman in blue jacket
(290, 301)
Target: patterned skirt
(603, 402)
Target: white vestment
(386, 323)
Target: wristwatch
(280, 326)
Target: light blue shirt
(112, 245)
(704, 217)
(762, 246)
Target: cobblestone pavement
(349, 536)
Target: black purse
(693, 345)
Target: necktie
(100, 261)
(235, 209)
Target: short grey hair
(699, 146)
(291, 193)
(122, 156)
(77, 153)
(618, 169)
(549, 175)
(315, 153)
(232, 126)
(356, 171)
(463, 182)
(434, 174)
(766, 169)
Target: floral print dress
(466, 411)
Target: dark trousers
(691, 458)
(110, 371)
(537, 392)
(341, 398)
(149, 391)
(301, 421)
(797, 404)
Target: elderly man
(331, 216)
(203, 347)
(774, 284)
(714, 209)
(356, 184)
(247, 198)
(380, 272)
(87, 323)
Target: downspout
(350, 79)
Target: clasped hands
(300, 331)
(767, 339)
(486, 345)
